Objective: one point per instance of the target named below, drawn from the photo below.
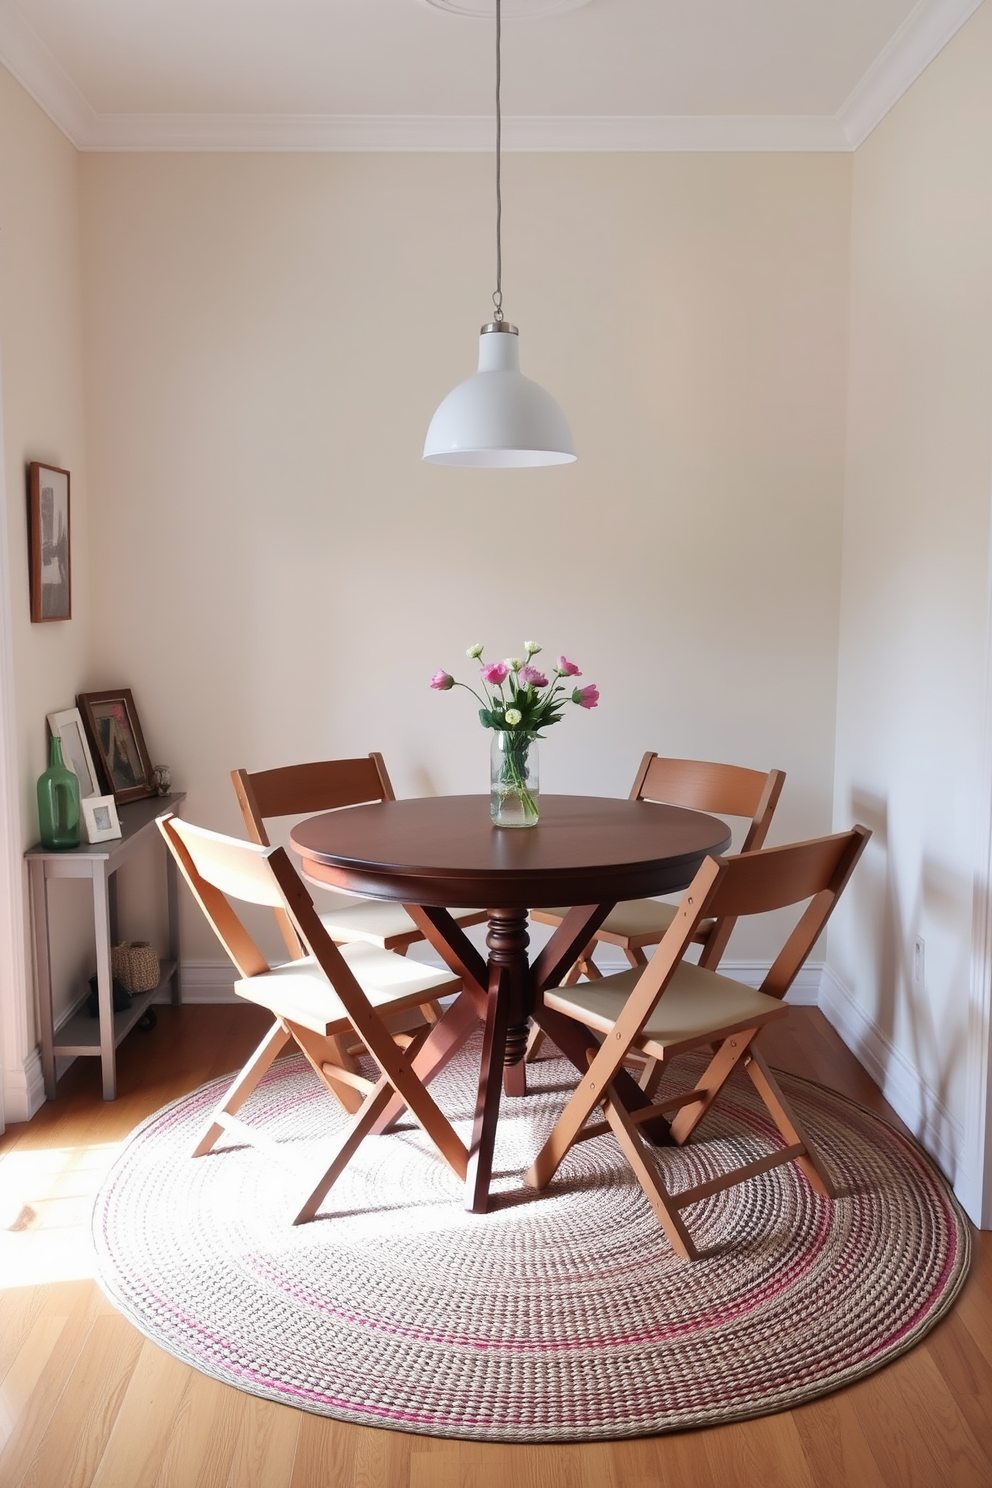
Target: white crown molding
(25, 55)
(921, 37)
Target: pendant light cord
(498, 295)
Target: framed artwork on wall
(75, 749)
(48, 530)
(111, 721)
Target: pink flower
(441, 681)
(586, 697)
(568, 668)
(495, 673)
(532, 677)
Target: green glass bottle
(58, 803)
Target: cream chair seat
(695, 1002)
(299, 990)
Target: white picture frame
(76, 750)
(100, 820)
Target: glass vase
(514, 796)
(58, 803)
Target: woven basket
(136, 965)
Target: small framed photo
(68, 725)
(111, 721)
(48, 528)
(100, 818)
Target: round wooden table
(440, 851)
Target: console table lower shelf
(79, 1034)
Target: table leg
(480, 1152)
(508, 940)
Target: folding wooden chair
(699, 785)
(671, 1006)
(724, 790)
(323, 992)
(326, 785)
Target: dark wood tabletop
(444, 850)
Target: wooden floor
(85, 1399)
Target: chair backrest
(755, 883)
(219, 868)
(204, 857)
(303, 790)
(776, 877)
(700, 785)
(726, 790)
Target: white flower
(474, 652)
(514, 663)
(513, 716)
(531, 647)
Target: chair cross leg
(589, 1093)
(372, 1108)
(788, 1124)
(711, 1082)
(319, 1052)
(646, 1172)
(237, 1093)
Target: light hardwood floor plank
(447, 1464)
(325, 1455)
(768, 1451)
(265, 1456)
(148, 1418)
(907, 1448)
(674, 1461)
(835, 1443)
(25, 1370)
(71, 1448)
(204, 1438)
(77, 1303)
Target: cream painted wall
(912, 669)
(267, 337)
(43, 419)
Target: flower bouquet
(516, 702)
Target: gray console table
(79, 1033)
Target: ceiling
(409, 75)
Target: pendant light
(499, 418)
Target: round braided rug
(561, 1316)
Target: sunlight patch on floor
(46, 1198)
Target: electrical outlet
(919, 960)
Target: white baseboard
(900, 1082)
(24, 1089)
(205, 981)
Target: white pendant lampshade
(499, 418)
